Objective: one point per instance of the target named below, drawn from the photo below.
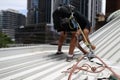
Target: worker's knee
(86, 31)
(63, 34)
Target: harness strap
(71, 17)
(75, 24)
(86, 41)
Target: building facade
(112, 6)
(9, 20)
(89, 8)
(39, 11)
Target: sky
(20, 5)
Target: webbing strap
(86, 41)
(71, 16)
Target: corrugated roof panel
(109, 39)
(44, 65)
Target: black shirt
(65, 12)
(82, 20)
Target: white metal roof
(40, 63)
(113, 15)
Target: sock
(69, 55)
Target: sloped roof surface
(44, 65)
(113, 15)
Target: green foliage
(4, 40)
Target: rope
(87, 67)
(86, 41)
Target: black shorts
(87, 26)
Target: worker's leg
(72, 47)
(83, 50)
(86, 33)
(90, 55)
(78, 45)
(72, 43)
(61, 41)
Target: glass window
(34, 3)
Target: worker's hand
(93, 47)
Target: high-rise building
(9, 20)
(112, 6)
(39, 17)
(88, 8)
(39, 11)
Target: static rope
(86, 41)
(86, 67)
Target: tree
(4, 40)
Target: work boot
(59, 53)
(69, 59)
